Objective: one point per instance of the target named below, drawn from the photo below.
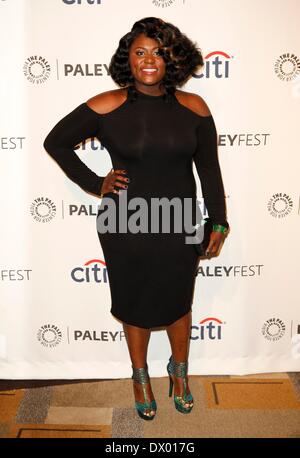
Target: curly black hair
(181, 56)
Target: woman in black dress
(153, 133)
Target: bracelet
(220, 228)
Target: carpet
(252, 406)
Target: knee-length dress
(156, 140)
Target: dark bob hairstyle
(180, 54)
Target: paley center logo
(208, 329)
(165, 3)
(43, 209)
(287, 67)
(273, 329)
(280, 205)
(49, 335)
(216, 65)
(91, 271)
(36, 69)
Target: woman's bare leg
(137, 341)
(179, 337)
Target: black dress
(155, 139)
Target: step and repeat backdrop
(55, 319)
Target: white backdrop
(55, 298)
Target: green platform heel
(141, 376)
(180, 370)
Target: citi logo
(89, 144)
(216, 65)
(208, 329)
(93, 271)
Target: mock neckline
(148, 96)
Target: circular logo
(43, 209)
(280, 205)
(273, 329)
(49, 335)
(287, 67)
(36, 69)
(163, 3)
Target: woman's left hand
(215, 242)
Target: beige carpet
(266, 405)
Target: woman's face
(147, 66)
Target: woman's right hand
(113, 179)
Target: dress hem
(153, 326)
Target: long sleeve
(78, 125)
(208, 168)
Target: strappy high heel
(141, 376)
(179, 370)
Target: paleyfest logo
(36, 69)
